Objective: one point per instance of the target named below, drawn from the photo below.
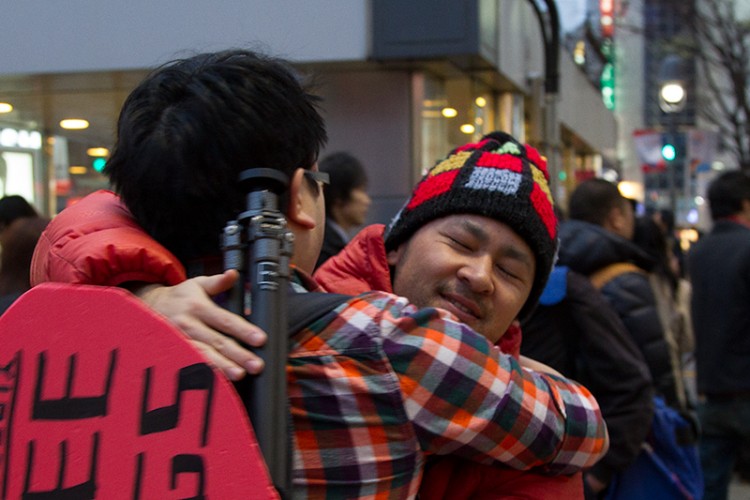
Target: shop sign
(15, 138)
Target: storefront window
(454, 111)
(20, 164)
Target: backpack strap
(612, 271)
(306, 308)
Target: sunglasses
(319, 177)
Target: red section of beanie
(432, 187)
(503, 161)
(544, 209)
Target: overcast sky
(572, 13)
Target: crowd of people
(494, 345)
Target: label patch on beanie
(494, 179)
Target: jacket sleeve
(97, 242)
(615, 371)
(464, 397)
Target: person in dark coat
(18, 241)
(596, 242)
(576, 331)
(719, 268)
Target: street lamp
(672, 99)
(672, 96)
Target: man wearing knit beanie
(477, 237)
(497, 178)
(486, 204)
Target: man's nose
(476, 271)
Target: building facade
(402, 82)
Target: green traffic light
(99, 163)
(668, 152)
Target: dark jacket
(576, 331)
(587, 248)
(719, 267)
(333, 243)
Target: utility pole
(549, 21)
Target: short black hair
(13, 207)
(347, 174)
(189, 128)
(593, 200)
(726, 193)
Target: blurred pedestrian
(346, 200)
(672, 294)
(596, 241)
(719, 269)
(18, 241)
(577, 332)
(12, 207)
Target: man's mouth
(466, 309)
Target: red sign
(102, 398)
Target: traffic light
(99, 164)
(668, 151)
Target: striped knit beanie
(497, 177)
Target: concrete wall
(582, 110)
(50, 36)
(368, 114)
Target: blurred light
(563, 175)
(467, 128)
(688, 234)
(692, 216)
(672, 93)
(77, 169)
(27, 139)
(479, 120)
(8, 137)
(97, 152)
(668, 152)
(434, 103)
(480, 101)
(630, 189)
(5, 107)
(450, 112)
(99, 164)
(74, 124)
(579, 53)
(607, 85)
(609, 175)
(718, 165)
(699, 200)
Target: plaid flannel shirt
(377, 384)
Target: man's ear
(394, 256)
(614, 220)
(299, 201)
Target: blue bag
(668, 467)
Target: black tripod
(259, 245)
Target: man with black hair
(719, 267)
(377, 384)
(596, 241)
(347, 201)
